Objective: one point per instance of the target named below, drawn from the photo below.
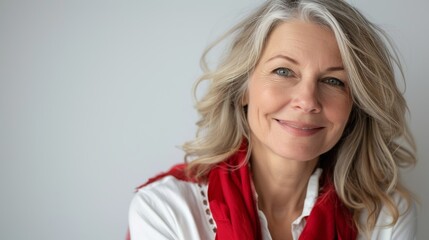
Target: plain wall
(95, 97)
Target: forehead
(303, 39)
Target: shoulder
(168, 208)
(167, 190)
(404, 228)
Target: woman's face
(298, 95)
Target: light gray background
(95, 96)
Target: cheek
(337, 105)
(266, 96)
(339, 113)
(261, 105)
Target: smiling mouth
(299, 128)
(298, 125)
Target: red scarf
(233, 206)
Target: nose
(305, 97)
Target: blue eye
(284, 72)
(334, 82)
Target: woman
(302, 134)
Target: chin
(304, 156)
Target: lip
(299, 129)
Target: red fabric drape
(231, 200)
(234, 210)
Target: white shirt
(174, 209)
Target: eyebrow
(330, 69)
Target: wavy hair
(376, 141)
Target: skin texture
(298, 106)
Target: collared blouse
(173, 209)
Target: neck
(281, 186)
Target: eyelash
(286, 72)
(337, 83)
(289, 72)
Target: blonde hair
(376, 141)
